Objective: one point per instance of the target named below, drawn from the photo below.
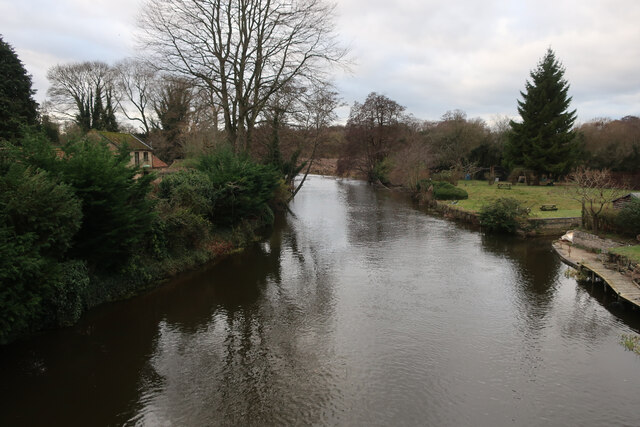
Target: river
(361, 310)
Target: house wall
(142, 162)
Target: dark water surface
(359, 310)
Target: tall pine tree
(544, 142)
(17, 107)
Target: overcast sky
(428, 55)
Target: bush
(117, 214)
(38, 219)
(446, 191)
(628, 218)
(184, 230)
(504, 215)
(380, 172)
(68, 298)
(242, 188)
(443, 190)
(190, 189)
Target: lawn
(631, 252)
(481, 193)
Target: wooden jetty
(581, 259)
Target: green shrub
(380, 172)
(185, 230)
(446, 191)
(68, 299)
(442, 190)
(504, 215)
(190, 189)
(38, 219)
(628, 218)
(242, 188)
(117, 214)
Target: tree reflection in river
(358, 310)
(234, 358)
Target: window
(146, 156)
(137, 155)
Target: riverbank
(618, 277)
(542, 223)
(533, 197)
(145, 272)
(150, 273)
(326, 167)
(537, 226)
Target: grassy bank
(630, 252)
(481, 193)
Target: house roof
(118, 139)
(629, 195)
(157, 163)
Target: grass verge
(630, 252)
(481, 193)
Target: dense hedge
(38, 220)
(241, 188)
(443, 190)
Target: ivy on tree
(544, 141)
(17, 107)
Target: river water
(359, 310)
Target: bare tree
(244, 51)
(411, 163)
(595, 190)
(612, 144)
(462, 167)
(83, 92)
(318, 113)
(202, 133)
(372, 130)
(135, 81)
(455, 136)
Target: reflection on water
(358, 310)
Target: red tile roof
(157, 163)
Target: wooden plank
(619, 283)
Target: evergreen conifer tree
(17, 107)
(109, 121)
(544, 141)
(98, 115)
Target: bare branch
(595, 190)
(243, 51)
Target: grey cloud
(431, 56)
